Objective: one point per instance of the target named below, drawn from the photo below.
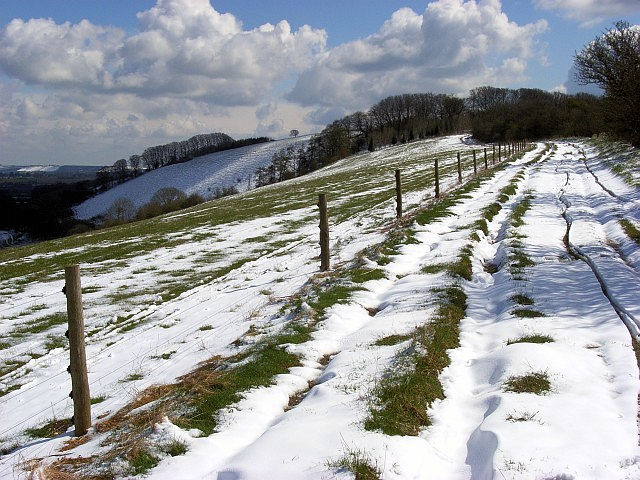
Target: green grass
(50, 429)
(359, 464)
(9, 389)
(391, 340)
(40, 324)
(631, 230)
(174, 448)
(361, 275)
(204, 328)
(534, 382)
(519, 211)
(4, 345)
(11, 365)
(142, 461)
(399, 402)
(527, 313)
(55, 341)
(98, 399)
(132, 377)
(522, 299)
(536, 338)
(265, 363)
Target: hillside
(487, 334)
(202, 175)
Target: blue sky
(92, 81)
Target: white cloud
(185, 49)
(590, 12)
(105, 94)
(453, 46)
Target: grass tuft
(631, 230)
(391, 340)
(534, 382)
(531, 339)
(527, 313)
(50, 429)
(359, 464)
(522, 299)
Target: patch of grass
(54, 341)
(4, 345)
(174, 448)
(481, 225)
(220, 389)
(40, 324)
(521, 417)
(631, 230)
(534, 382)
(519, 211)
(361, 275)
(204, 328)
(527, 313)
(132, 377)
(490, 211)
(359, 464)
(11, 365)
(266, 292)
(141, 461)
(522, 299)
(9, 389)
(50, 429)
(383, 260)
(519, 261)
(91, 289)
(328, 295)
(400, 400)
(435, 268)
(391, 340)
(98, 399)
(536, 338)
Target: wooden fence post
(437, 175)
(398, 194)
(324, 232)
(499, 152)
(459, 169)
(78, 366)
(486, 165)
(475, 164)
(493, 156)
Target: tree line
(168, 154)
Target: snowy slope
(202, 175)
(584, 427)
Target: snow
(585, 427)
(202, 175)
(39, 169)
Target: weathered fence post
(493, 156)
(437, 175)
(78, 366)
(398, 194)
(486, 165)
(459, 169)
(324, 232)
(499, 152)
(475, 164)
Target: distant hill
(202, 175)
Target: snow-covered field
(555, 264)
(202, 175)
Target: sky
(90, 81)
